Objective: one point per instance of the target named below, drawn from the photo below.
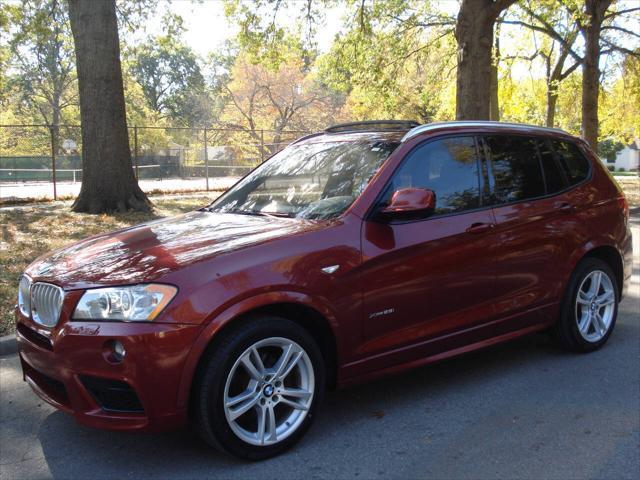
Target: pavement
(44, 190)
(524, 409)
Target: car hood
(148, 251)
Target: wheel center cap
(593, 306)
(268, 390)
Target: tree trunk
(552, 100)
(494, 100)
(55, 126)
(595, 10)
(108, 182)
(474, 34)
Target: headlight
(24, 295)
(131, 304)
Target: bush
(611, 168)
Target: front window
(314, 180)
(448, 167)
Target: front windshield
(308, 180)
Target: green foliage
(608, 148)
(390, 65)
(269, 28)
(5, 52)
(42, 57)
(619, 108)
(170, 76)
(132, 14)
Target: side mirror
(407, 201)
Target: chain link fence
(45, 161)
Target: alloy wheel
(595, 306)
(269, 391)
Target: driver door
(426, 279)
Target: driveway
(520, 410)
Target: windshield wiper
(263, 214)
(256, 213)
(279, 214)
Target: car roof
(430, 127)
(401, 130)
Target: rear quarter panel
(601, 219)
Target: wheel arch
(612, 257)
(293, 306)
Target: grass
(26, 232)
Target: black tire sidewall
(569, 332)
(211, 392)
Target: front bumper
(71, 368)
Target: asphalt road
(520, 410)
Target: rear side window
(515, 167)
(449, 167)
(573, 162)
(553, 177)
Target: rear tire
(589, 308)
(259, 389)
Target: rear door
(534, 220)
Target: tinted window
(575, 165)
(516, 168)
(552, 175)
(449, 167)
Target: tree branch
(621, 12)
(621, 29)
(500, 6)
(548, 29)
(569, 70)
(617, 48)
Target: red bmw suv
(356, 252)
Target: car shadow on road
(82, 451)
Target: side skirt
(356, 379)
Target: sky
(207, 28)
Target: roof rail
(305, 137)
(476, 123)
(373, 125)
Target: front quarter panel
(287, 270)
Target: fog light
(118, 351)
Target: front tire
(259, 389)
(590, 307)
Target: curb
(8, 345)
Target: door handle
(565, 207)
(480, 227)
